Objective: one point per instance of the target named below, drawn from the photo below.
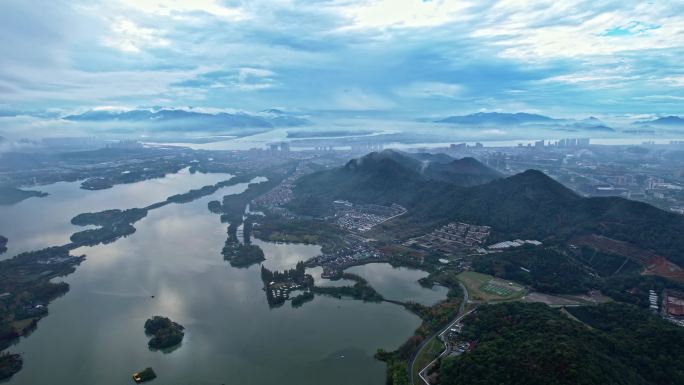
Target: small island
(3, 244)
(9, 365)
(240, 255)
(278, 285)
(11, 195)
(145, 375)
(303, 298)
(165, 333)
(113, 224)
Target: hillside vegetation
(618, 344)
(529, 205)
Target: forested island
(303, 298)
(10, 364)
(232, 210)
(114, 224)
(3, 244)
(26, 286)
(12, 195)
(165, 333)
(361, 290)
(278, 285)
(242, 255)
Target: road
(459, 316)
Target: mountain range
(497, 118)
(266, 119)
(526, 119)
(664, 121)
(529, 205)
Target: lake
(36, 223)
(94, 334)
(399, 283)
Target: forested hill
(611, 344)
(528, 205)
(461, 172)
(391, 176)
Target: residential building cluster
(451, 238)
(334, 263)
(276, 198)
(363, 217)
(674, 306)
(653, 300)
(511, 244)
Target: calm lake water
(400, 283)
(36, 223)
(94, 334)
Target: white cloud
(567, 29)
(175, 7)
(403, 13)
(254, 79)
(127, 36)
(103, 88)
(430, 90)
(675, 81)
(355, 99)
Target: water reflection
(282, 256)
(399, 283)
(172, 266)
(36, 223)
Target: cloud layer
(402, 57)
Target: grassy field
(484, 287)
(431, 350)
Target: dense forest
(552, 271)
(614, 344)
(164, 332)
(544, 269)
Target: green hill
(461, 172)
(529, 205)
(530, 344)
(386, 177)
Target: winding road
(439, 334)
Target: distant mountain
(516, 119)
(664, 121)
(377, 177)
(498, 118)
(388, 176)
(426, 156)
(529, 205)
(288, 121)
(592, 120)
(393, 165)
(588, 126)
(275, 118)
(462, 172)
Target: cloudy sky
(404, 57)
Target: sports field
(485, 287)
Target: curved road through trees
(438, 334)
